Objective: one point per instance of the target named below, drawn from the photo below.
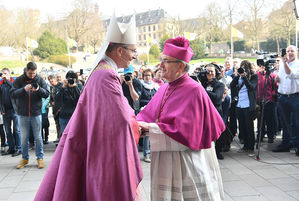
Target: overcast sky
(61, 7)
(182, 8)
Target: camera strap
(71, 95)
(240, 87)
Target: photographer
(266, 97)
(8, 110)
(131, 88)
(67, 98)
(288, 88)
(28, 90)
(243, 91)
(215, 90)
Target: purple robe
(187, 114)
(97, 158)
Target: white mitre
(118, 33)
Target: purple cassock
(97, 158)
(184, 112)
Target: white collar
(110, 62)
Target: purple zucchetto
(178, 48)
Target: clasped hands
(143, 127)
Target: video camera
(266, 59)
(202, 73)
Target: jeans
(289, 114)
(146, 146)
(63, 123)
(34, 123)
(13, 137)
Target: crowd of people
(24, 105)
(181, 121)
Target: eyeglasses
(133, 51)
(166, 61)
(147, 75)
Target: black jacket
(29, 104)
(67, 99)
(138, 88)
(215, 92)
(146, 96)
(251, 81)
(9, 105)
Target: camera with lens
(241, 70)
(128, 77)
(71, 81)
(34, 85)
(266, 59)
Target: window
(154, 28)
(154, 36)
(144, 29)
(144, 37)
(139, 30)
(149, 28)
(158, 26)
(140, 38)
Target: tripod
(264, 93)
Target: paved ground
(275, 177)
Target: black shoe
(219, 156)
(281, 149)
(8, 152)
(18, 152)
(270, 140)
(46, 142)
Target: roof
(145, 18)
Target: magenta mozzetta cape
(188, 115)
(97, 158)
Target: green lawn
(207, 60)
(12, 64)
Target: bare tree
(255, 8)
(78, 20)
(281, 23)
(212, 25)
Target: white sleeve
(162, 142)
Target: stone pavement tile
(251, 198)
(294, 194)
(274, 194)
(239, 188)
(5, 193)
(287, 169)
(26, 186)
(34, 176)
(227, 175)
(255, 180)
(239, 169)
(228, 161)
(286, 184)
(227, 197)
(22, 196)
(296, 176)
(271, 173)
(10, 181)
(16, 172)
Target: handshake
(143, 128)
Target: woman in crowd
(149, 88)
